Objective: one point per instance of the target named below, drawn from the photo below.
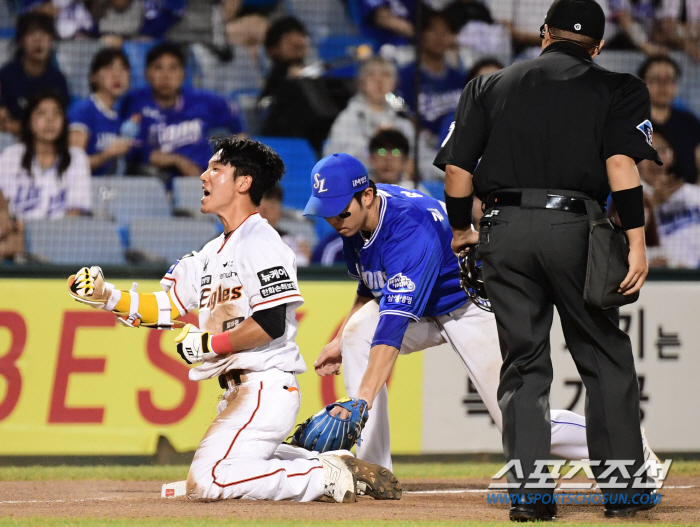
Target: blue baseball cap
(334, 180)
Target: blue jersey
(401, 8)
(439, 94)
(101, 124)
(16, 87)
(407, 263)
(183, 129)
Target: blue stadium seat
(126, 198)
(299, 158)
(74, 57)
(74, 241)
(335, 47)
(170, 238)
(435, 188)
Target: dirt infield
(423, 500)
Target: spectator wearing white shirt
(676, 209)
(42, 177)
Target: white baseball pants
(239, 456)
(472, 334)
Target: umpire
(535, 142)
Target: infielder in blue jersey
(396, 242)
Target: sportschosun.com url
(565, 498)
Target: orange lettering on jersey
(219, 296)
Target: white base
(174, 490)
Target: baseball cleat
(373, 480)
(338, 480)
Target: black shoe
(628, 510)
(544, 512)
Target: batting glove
(194, 345)
(88, 286)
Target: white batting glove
(88, 286)
(194, 345)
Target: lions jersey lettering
(407, 263)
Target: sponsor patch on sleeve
(400, 284)
(399, 298)
(275, 289)
(273, 275)
(206, 280)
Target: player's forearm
(247, 335)
(381, 362)
(148, 306)
(458, 182)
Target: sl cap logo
(577, 27)
(319, 183)
(648, 130)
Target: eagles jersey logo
(648, 130)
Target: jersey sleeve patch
(275, 289)
(273, 275)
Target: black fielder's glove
(323, 432)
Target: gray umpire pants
(534, 259)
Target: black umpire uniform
(536, 137)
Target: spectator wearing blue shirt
(94, 123)
(387, 21)
(441, 85)
(176, 122)
(30, 70)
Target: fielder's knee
(200, 485)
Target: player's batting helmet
(470, 277)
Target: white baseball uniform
(232, 277)
(472, 334)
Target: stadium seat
(136, 53)
(74, 57)
(187, 196)
(5, 50)
(74, 241)
(299, 158)
(240, 73)
(168, 239)
(340, 53)
(126, 198)
(323, 17)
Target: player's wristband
(459, 211)
(220, 343)
(629, 204)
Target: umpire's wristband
(629, 204)
(459, 211)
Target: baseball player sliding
(396, 242)
(245, 287)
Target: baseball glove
(323, 432)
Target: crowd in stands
(363, 91)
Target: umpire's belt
(552, 202)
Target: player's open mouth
(206, 193)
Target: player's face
(113, 78)
(47, 121)
(218, 187)
(293, 46)
(166, 76)
(353, 217)
(662, 83)
(36, 45)
(271, 210)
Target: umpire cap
(334, 181)
(584, 17)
